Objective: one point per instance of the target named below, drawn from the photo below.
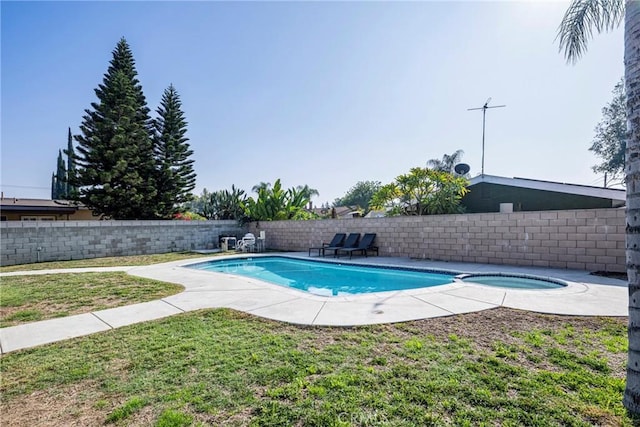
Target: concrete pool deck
(585, 295)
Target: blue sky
(319, 93)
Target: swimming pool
(327, 279)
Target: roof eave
(557, 187)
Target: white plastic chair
(247, 243)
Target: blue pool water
(327, 279)
(513, 281)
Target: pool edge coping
(288, 305)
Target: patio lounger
(366, 244)
(351, 242)
(337, 241)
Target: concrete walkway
(585, 295)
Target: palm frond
(579, 21)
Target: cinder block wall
(591, 239)
(27, 242)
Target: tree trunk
(632, 86)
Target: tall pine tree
(71, 191)
(61, 187)
(59, 180)
(175, 177)
(115, 169)
(54, 189)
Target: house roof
(15, 204)
(340, 211)
(557, 187)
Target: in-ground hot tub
(512, 281)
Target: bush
(189, 216)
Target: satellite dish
(462, 168)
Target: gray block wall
(23, 242)
(592, 239)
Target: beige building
(15, 209)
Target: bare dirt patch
(67, 406)
(504, 325)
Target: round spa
(512, 281)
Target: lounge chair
(351, 242)
(336, 242)
(366, 244)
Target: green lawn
(220, 367)
(38, 297)
(105, 262)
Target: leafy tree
(448, 162)
(228, 204)
(359, 195)
(201, 204)
(422, 191)
(115, 163)
(610, 141)
(222, 204)
(269, 205)
(575, 29)
(175, 177)
(297, 200)
(276, 203)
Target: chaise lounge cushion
(366, 244)
(336, 242)
(351, 242)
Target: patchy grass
(39, 297)
(106, 262)
(221, 367)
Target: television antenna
(484, 109)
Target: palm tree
(576, 27)
(307, 191)
(447, 163)
(263, 185)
